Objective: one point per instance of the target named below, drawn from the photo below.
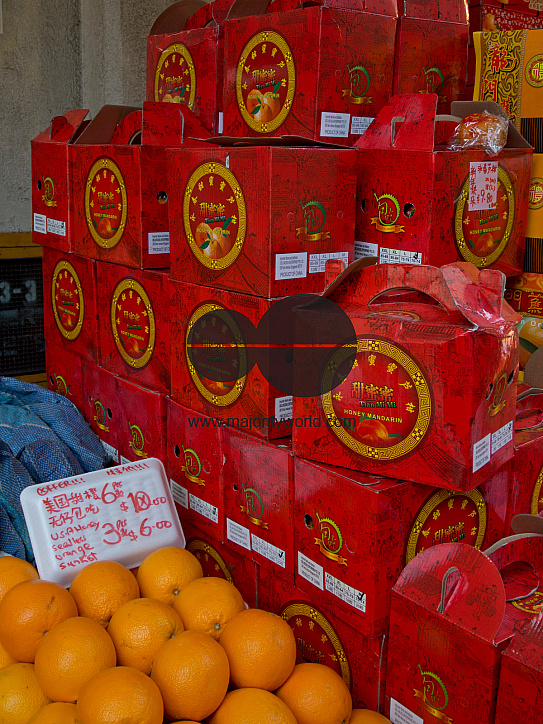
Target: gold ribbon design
(254, 521)
(48, 202)
(301, 231)
(101, 425)
(139, 453)
(390, 229)
(193, 478)
(357, 100)
(434, 712)
(332, 556)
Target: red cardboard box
(500, 16)
(525, 294)
(431, 57)
(422, 203)
(70, 311)
(278, 83)
(324, 638)
(120, 185)
(349, 557)
(261, 220)
(195, 461)
(143, 419)
(444, 10)
(417, 366)
(250, 402)
(65, 374)
(520, 692)
(101, 407)
(51, 194)
(219, 560)
(526, 7)
(186, 64)
(259, 499)
(135, 334)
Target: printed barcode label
(110, 451)
(211, 512)
(159, 243)
(220, 123)
(335, 125)
(399, 256)
(125, 461)
(238, 534)
(399, 714)
(346, 593)
(317, 262)
(179, 494)
(364, 248)
(311, 571)
(56, 227)
(502, 436)
(360, 125)
(268, 550)
(481, 453)
(40, 223)
(291, 266)
(284, 408)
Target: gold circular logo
(383, 409)
(535, 195)
(223, 393)
(67, 299)
(213, 564)
(175, 77)
(106, 204)
(537, 499)
(265, 81)
(133, 323)
(448, 516)
(534, 71)
(214, 215)
(532, 605)
(482, 235)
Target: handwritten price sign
(483, 185)
(119, 514)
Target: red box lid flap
(102, 128)
(64, 129)
(174, 18)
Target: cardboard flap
(477, 602)
(273, 141)
(527, 644)
(465, 108)
(128, 131)
(244, 8)
(533, 369)
(524, 523)
(530, 412)
(174, 18)
(63, 128)
(101, 129)
(171, 124)
(519, 548)
(416, 112)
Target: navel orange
(367, 716)
(208, 604)
(14, 570)
(252, 706)
(21, 696)
(55, 713)
(166, 571)
(5, 658)
(100, 588)
(316, 695)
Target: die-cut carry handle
(537, 410)
(416, 112)
(175, 17)
(523, 547)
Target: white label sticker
(346, 593)
(360, 125)
(125, 461)
(284, 408)
(399, 256)
(220, 123)
(399, 714)
(40, 223)
(311, 571)
(335, 125)
(159, 243)
(268, 550)
(179, 494)
(291, 266)
(56, 227)
(481, 453)
(238, 534)
(502, 436)
(205, 509)
(110, 451)
(317, 262)
(364, 248)
(483, 185)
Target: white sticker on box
(284, 408)
(112, 452)
(399, 256)
(360, 124)
(238, 534)
(179, 494)
(346, 593)
(159, 243)
(125, 461)
(291, 266)
(335, 125)
(399, 714)
(40, 223)
(56, 227)
(364, 248)
(317, 262)
(502, 436)
(205, 509)
(268, 550)
(220, 123)
(311, 571)
(481, 453)
(483, 185)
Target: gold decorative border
(528, 71)
(217, 400)
(431, 504)
(106, 163)
(267, 36)
(184, 51)
(533, 181)
(197, 544)
(127, 285)
(463, 248)
(424, 395)
(64, 265)
(534, 506)
(205, 169)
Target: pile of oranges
(157, 644)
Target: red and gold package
(101, 407)
(65, 374)
(142, 422)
